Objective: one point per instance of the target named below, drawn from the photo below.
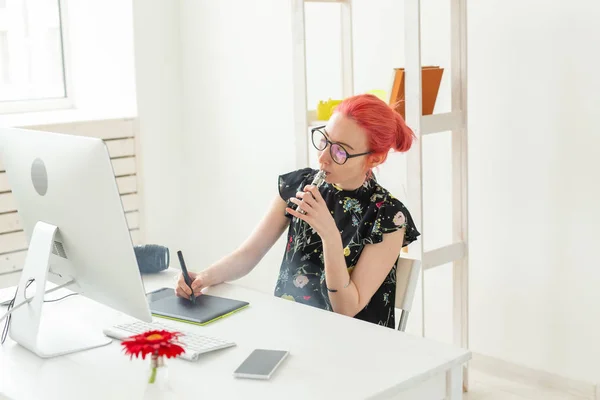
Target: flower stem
(154, 363)
(153, 375)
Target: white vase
(158, 386)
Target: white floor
(484, 386)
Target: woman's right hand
(199, 282)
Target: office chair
(407, 276)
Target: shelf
(444, 255)
(311, 117)
(436, 123)
(412, 254)
(454, 121)
(430, 124)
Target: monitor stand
(46, 337)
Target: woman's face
(351, 137)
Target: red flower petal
(160, 343)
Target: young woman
(341, 249)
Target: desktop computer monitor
(71, 211)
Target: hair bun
(404, 135)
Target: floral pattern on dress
(362, 216)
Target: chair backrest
(407, 276)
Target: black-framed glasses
(338, 153)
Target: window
(32, 57)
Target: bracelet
(345, 286)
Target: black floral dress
(362, 217)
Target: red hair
(384, 126)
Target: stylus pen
(186, 276)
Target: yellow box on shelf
(325, 109)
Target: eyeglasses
(338, 153)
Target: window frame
(50, 104)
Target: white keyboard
(193, 343)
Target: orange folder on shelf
(431, 77)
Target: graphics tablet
(165, 303)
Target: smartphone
(260, 364)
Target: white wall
(532, 135)
(237, 119)
(534, 96)
(159, 98)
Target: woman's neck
(351, 185)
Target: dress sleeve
(391, 216)
(293, 182)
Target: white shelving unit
(454, 121)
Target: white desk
(331, 357)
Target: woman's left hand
(318, 215)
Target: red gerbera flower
(156, 343)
